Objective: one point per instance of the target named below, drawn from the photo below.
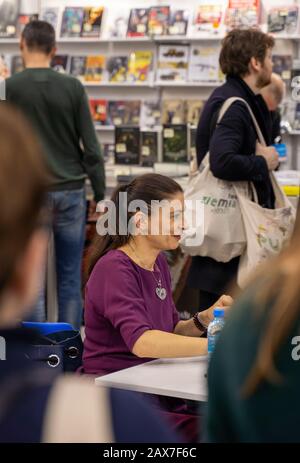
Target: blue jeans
(68, 208)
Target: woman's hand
(225, 302)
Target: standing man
(273, 95)
(235, 154)
(58, 109)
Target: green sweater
(58, 108)
(272, 413)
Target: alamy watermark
(2, 348)
(2, 89)
(159, 218)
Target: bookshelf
(154, 88)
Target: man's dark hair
(239, 46)
(39, 36)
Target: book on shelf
(98, 111)
(78, 67)
(108, 151)
(194, 110)
(173, 112)
(116, 112)
(242, 14)
(158, 20)
(117, 67)
(139, 66)
(138, 22)
(92, 20)
(127, 145)
(50, 15)
(192, 133)
(178, 22)
(132, 110)
(17, 64)
(72, 22)
(95, 67)
(5, 66)
(172, 63)
(296, 122)
(116, 23)
(149, 148)
(204, 63)
(60, 63)
(282, 65)
(207, 19)
(9, 14)
(175, 143)
(24, 19)
(150, 114)
(283, 20)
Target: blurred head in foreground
(23, 239)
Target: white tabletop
(180, 377)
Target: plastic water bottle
(214, 329)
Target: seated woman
(254, 375)
(35, 404)
(130, 317)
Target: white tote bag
(267, 230)
(214, 226)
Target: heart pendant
(161, 293)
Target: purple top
(120, 305)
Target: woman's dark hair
(39, 36)
(239, 46)
(146, 188)
(23, 183)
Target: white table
(181, 377)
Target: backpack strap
(78, 412)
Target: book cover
(207, 18)
(9, 13)
(116, 112)
(78, 67)
(283, 20)
(24, 19)
(72, 21)
(117, 67)
(158, 20)
(5, 66)
(50, 15)
(204, 63)
(60, 63)
(175, 143)
(98, 111)
(127, 145)
(282, 65)
(95, 66)
(242, 14)
(194, 110)
(138, 22)
(178, 22)
(17, 64)
(139, 66)
(172, 62)
(116, 23)
(149, 148)
(132, 111)
(92, 20)
(173, 112)
(150, 114)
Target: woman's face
(166, 223)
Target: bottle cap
(218, 312)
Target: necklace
(160, 291)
